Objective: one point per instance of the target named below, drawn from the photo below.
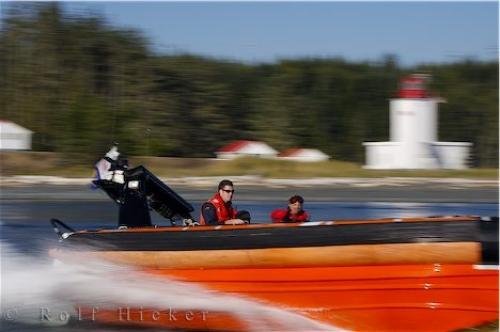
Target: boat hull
(430, 297)
(433, 274)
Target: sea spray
(37, 292)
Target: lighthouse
(414, 133)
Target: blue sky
(415, 32)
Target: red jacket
(224, 211)
(283, 215)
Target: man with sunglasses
(219, 210)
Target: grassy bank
(45, 163)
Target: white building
(246, 148)
(305, 155)
(14, 137)
(413, 134)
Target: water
(30, 281)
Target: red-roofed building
(14, 137)
(307, 155)
(245, 148)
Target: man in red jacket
(293, 213)
(219, 209)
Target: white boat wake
(34, 292)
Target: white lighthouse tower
(414, 133)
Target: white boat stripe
(486, 267)
(312, 223)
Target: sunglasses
(228, 191)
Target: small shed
(246, 148)
(14, 137)
(306, 155)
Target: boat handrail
(55, 223)
(339, 222)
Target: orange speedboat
(425, 274)
(418, 274)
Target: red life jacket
(224, 211)
(283, 215)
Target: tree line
(81, 84)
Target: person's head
(295, 204)
(226, 190)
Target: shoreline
(252, 180)
(258, 189)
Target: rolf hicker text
(123, 314)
